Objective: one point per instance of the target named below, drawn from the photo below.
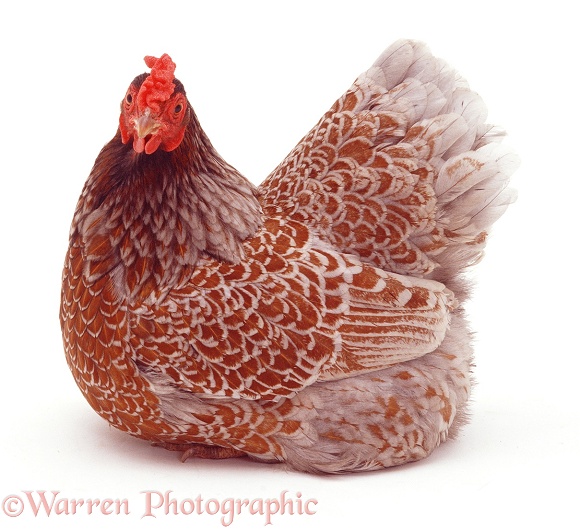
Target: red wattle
(152, 144)
(139, 144)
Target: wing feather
(314, 315)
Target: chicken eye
(129, 98)
(178, 108)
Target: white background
(259, 76)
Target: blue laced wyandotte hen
(315, 320)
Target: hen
(316, 320)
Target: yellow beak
(146, 125)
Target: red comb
(158, 86)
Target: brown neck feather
(146, 220)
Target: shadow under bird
(314, 320)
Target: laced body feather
(316, 320)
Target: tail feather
(472, 191)
(403, 171)
(434, 137)
(471, 168)
(472, 194)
